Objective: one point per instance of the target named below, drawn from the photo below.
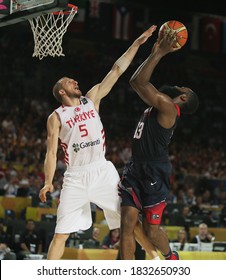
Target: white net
(48, 31)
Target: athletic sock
(156, 259)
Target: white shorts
(97, 183)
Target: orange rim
(67, 12)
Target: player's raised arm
(140, 81)
(119, 67)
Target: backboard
(14, 11)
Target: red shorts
(154, 213)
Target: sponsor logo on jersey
(84, 101)
(76, 147)
(84, 145)
(155, 216)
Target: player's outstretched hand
(144, 36)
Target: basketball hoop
(48, 31)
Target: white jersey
(82, 134)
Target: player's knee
(127, 225)
(128, 220)
(60, 238)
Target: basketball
(180, 28)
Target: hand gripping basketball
(179, 28)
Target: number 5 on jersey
(83, 130)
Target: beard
(74, 95)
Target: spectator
(180, 196)
(200, 208)
(181, 238)
(203, 235)
(190, 198)
(11, 188)
(3, 182)
(111, 241)
(94, 241)
(206, 198)
(5, 251)
(30, 241)
(23, 189)
(182, 218)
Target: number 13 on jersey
(139, 130)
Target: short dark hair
(57, 87)
(188, 107)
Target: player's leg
(57, 245)
(144, 241)
(129, 219)
(130, 230)
(73, 212)
(104, 193)
(151, 224)
(131, 225)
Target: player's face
(71, 88)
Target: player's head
(66, 87)
(186, 98)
